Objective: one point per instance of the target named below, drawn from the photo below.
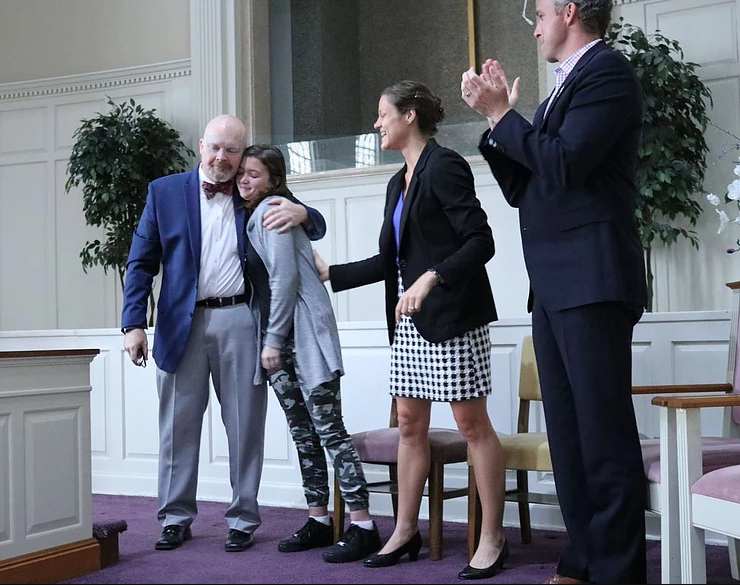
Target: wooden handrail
(697, 401)
(682, 388)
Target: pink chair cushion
(381, 445)
(717, 452)
(723, 484)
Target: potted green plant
(673, 150)
(114, 157)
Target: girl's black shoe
(412, 547)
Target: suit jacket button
(403, 263)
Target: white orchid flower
(733, 190)
(713, 199)
(737, 169)
(723, 221)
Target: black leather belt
(216, 302)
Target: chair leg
(436, 479)
(393, 476)
(474, 513)
(525, 524)
(338, 512)
(733, 546)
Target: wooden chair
(380, 447)
(684, 455)
(526, 451)
(708, 498)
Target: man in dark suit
(195, 229)
(571, 174)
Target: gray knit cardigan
(298, 300)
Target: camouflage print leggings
(315, 421)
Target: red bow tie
(210, 189)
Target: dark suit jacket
(571, 174)
(443, 227)
(169, 233)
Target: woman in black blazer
(434, 245)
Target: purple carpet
(203, 560)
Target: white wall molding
(99, 81)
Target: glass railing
(363, 150)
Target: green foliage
(673, 151)
(114, 157)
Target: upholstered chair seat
(722, 483)
(381, 445)
(717, 452)
(526, 451)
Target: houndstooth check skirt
(453, 370)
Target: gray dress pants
(222, 347)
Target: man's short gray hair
(595, 14)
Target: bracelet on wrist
(437, 277)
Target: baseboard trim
(53, 564)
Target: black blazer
(444, 227)
(571, 174)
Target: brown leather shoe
(564, 580)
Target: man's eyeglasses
(524, 14)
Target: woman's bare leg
(490, 476)
(413, 468)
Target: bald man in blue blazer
(571, 175)
(194, 228)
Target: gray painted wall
(51, 38)
(345, 53)
(325, 68)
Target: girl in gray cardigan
(301, 356)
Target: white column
(230, 55)
(215, 50)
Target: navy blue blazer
(169, 234)
(571, 174)
(444, 227)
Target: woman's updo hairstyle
(414, 95)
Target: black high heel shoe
(473, 573)
(411, 547)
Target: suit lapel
(240, 217)
(413, 188)
(539, 115)
(192, 210)
(392, 194)
(582, 62)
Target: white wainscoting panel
(668, 348)
(43, 228)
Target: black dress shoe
(238, 541)
(411, 547)
(173, 536)
(473, 573)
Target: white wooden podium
(45, 466)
